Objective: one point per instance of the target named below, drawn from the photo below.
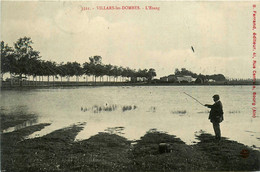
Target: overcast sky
(220, 33)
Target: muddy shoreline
(155, 151)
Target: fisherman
(216, 115)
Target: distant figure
(216, 115)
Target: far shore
(28, 85)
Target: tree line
(22, 61)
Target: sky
(220, 33)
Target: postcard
(130, 86)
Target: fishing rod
(194, 98)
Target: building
(172, 78)
(164, 79)
(178, 79)
(211, 80)
(182, 79)
(199, 81)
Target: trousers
(217, 131)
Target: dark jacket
(216, 112)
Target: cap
(216, 96)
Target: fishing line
(194, 98)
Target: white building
(184, 79)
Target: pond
(131, 111)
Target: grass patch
(228, 155)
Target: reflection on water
(21, 126)
(108, 108)
(128, 107)
(180, 112)
(139, 109)
(23, 109)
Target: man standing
(216, 115)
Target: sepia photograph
(129, 86)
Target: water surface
(132, 111)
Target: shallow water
(132, 111)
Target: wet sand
(57, 151)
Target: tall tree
(115, 72)
(24, 53)
(99, 71)
(95, 60)
(108, 71)
(150, 74)
(87, 69)
(49, 69)
(61, 70)
(77, 70)
(7, 58)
